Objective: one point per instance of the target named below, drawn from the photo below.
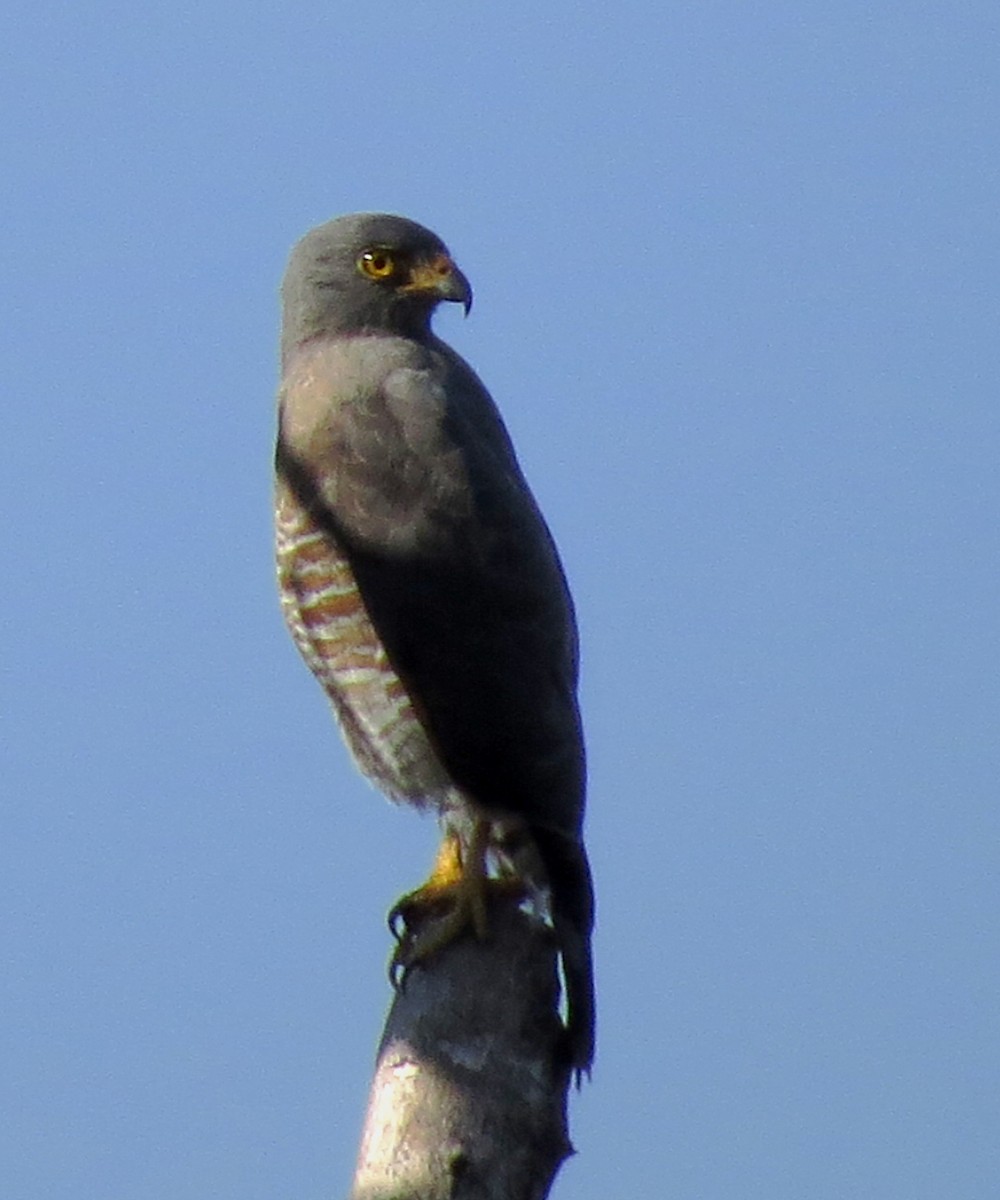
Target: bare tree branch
(469, 1100)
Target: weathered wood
(468, 1100)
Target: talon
(426, 920)
(396, 922)
(397, 974)
(450, 903)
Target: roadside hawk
(423, 588)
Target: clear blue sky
(736, 293)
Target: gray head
(367, 271)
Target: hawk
(423, 588)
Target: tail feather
(572, 892)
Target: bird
(424, 590)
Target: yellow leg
(451, 901)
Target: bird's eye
(377, 264)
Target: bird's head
(368, 272)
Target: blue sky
(736, 293)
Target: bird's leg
(444, 885)
(452, 900)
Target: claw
(396, 922)
(426, 920)
(397, 975)
(452, 901)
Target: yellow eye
(377, 264)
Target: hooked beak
(440, 278)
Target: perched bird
(424, 590)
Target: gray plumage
(394, 463)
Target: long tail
(565, 862)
